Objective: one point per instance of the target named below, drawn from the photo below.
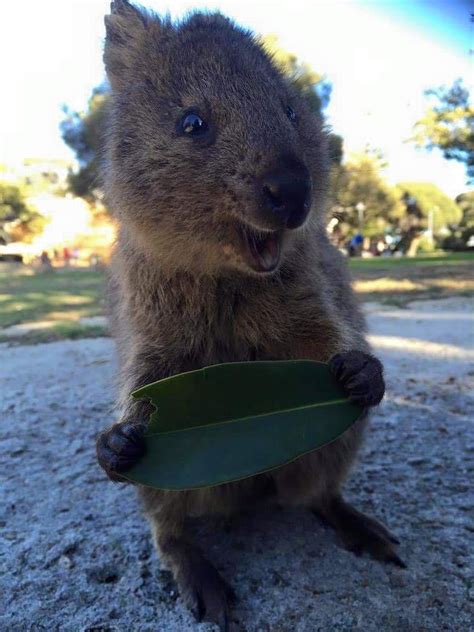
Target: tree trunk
(413, 246)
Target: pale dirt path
(76, 555)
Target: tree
(461, 233)
(360, 198)
(449, 125)
(18, 222)
(425, 207)
(432, 202)
(83, 131)
(465, 201)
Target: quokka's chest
(242, 328)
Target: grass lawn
(436, 259)
(63, 297)
(397, 281)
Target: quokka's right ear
(126, 31)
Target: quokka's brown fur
(183, 295)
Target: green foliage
(426, 245)
(449, 125)
(360, 197)
(461, 233)
(429, 198)
(465, 201)
(83, 133)
(12, 203)
(18, 221)
(204, 432)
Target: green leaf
(230, 421)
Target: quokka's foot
(119, 448)
(359, 532)
(361, 376)
(205, 592)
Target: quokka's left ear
(126, 31)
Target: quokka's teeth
(265, 251)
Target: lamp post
(360, 208)
(431, 216)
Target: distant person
(45, 261)
(66, 256)
(355, 245)
(95, 260)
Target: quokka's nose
(287, 194)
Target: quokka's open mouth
(263, 248)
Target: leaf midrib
(225, 422)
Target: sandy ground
(75, 554)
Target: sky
(379, 55)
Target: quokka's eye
(291, 114)
(192, 124)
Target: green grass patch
(66, 296)
(397, 281)
(435, 259)
(58, 331)
(59, 295)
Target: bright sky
(379, 55)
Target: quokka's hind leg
(201, 587)
(358, 532)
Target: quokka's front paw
(119, 448)
(361, 376)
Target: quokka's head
(214, 161)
